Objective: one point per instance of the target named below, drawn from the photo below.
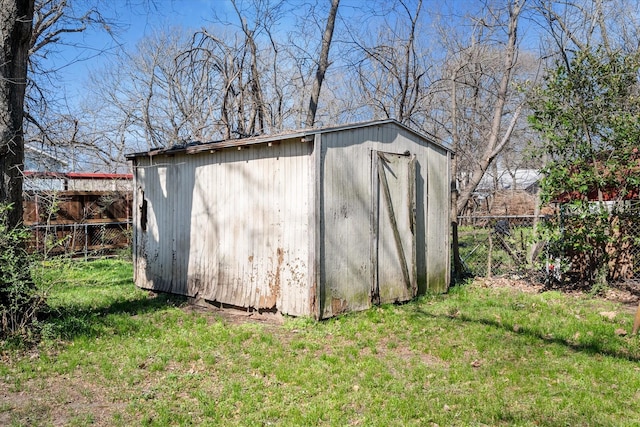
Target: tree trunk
(457, 260)
(495, 144)
(259, 112)
(404, 113)
(323, 64)
(16, 18)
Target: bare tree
(573, 25)
(323, 63)
(231, 79)
(392, 70)
(484, 107)
(496, 138)
(483, 103)
(176, 87)
(258, 110)
(180, 87)
(54, 24)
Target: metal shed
(311, 223)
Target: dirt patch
(61, 400)
(627, 297)
(233, 315)
(628, 300)
(405, 353)
(502, 282)
(622, 296)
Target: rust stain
(269, 301)
(312, 300)
(338, 306)
(275, 288)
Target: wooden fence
(78, 222)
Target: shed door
(393, 227)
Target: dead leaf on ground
(608, 314)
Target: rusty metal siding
(290, 225)
(229, 226)
(346, 267)
(159, 183)
(345, 234)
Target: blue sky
(133, 19)
(84, 52)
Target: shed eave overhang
(301, 135)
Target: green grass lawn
(113, 355)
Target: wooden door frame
(379, 182)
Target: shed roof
(196, 147)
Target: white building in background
(45, 172)
(505, 179)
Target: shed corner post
(374, 292)
(135, 212)
(449, 208)
(316, 288)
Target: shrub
(588, 116)
(20, 300)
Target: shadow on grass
(591, 348)
(116, 318)
(146, 304)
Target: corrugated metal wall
(230, 226)
(437, 244)
(259, 226)
(346, 213)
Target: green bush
(587, 113)
(20, 300)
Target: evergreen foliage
(588, 114)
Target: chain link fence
(499, 245)
(599, 243)
(88, 240)
(508, 246)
